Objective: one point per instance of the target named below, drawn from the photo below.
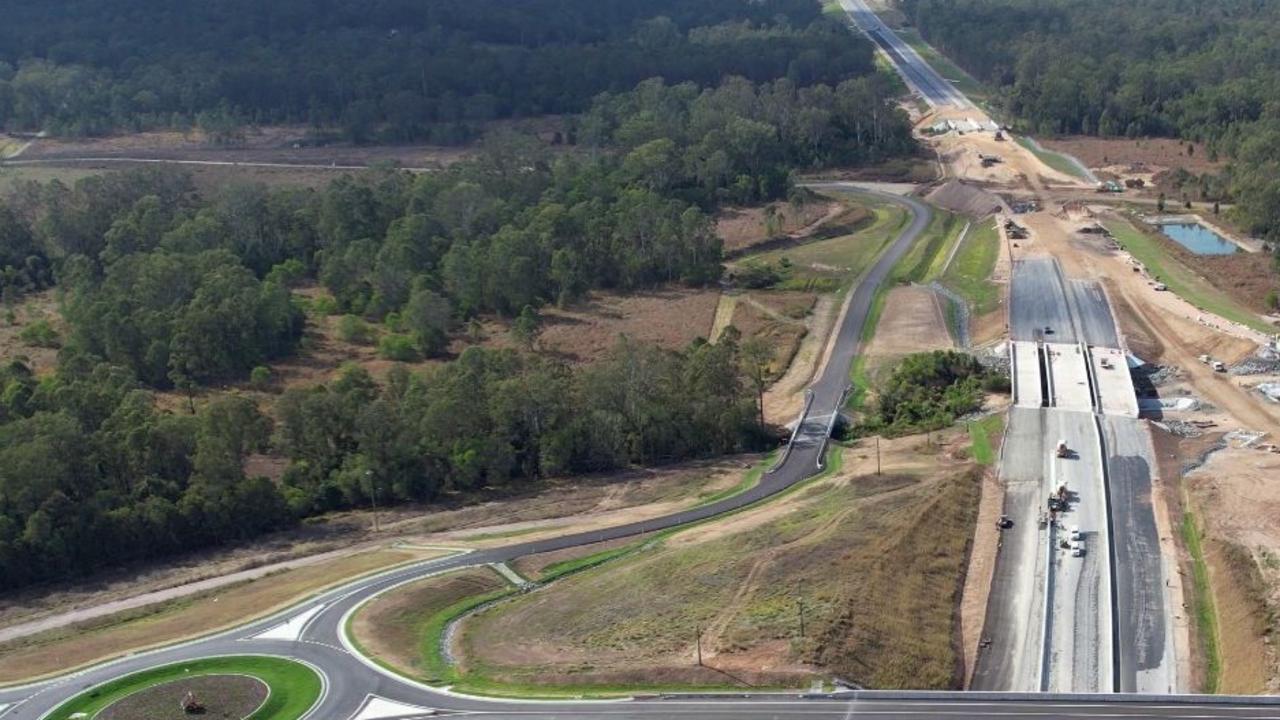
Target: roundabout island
(242, 687)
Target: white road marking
(378, 708)
(290, 629)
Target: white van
(1077, 548)
(1075, 532)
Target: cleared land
(1238, 511)
(671, 318)
(69, 647)
(33, 308)
(742, 228)
(742, 582)
(294, 687)
(1155, 153)
(913, 321)
(403, 629)
(1167, 265)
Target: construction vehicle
(1058, 501)
(999, 135)
(1062, 450)
(1218, 366)
(1077, 548)
(1004, 523)
(1105, 363)
(1075, 532)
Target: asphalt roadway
(921, 76)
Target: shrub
(260, 377)
(354, 330)
(40, 334)
(398, 347)
(755, 275)
(928, 391)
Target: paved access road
(320, 639)
(918, 74)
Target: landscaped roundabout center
(248, 687)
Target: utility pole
(800, 607)
(698, 630)
(373, 498)
(877, 455)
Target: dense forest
(1203, 71)
(681, 106)
(387, 70)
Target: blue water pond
(1199, 239)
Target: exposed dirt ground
(633, 621)
(1236, 491)
(912, 322)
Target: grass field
(1203, 612)
(985, 436)
(294, 687)
(739, 583)
(404, 629)
(1055, 160)
(1181, 279)
(60, 650)
(969, 274)
(838, 261)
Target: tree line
(1207, 72)
(387, 70)
(92, 474)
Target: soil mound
(956, 196)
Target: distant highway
(918, 74)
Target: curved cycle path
(314, 631)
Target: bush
(398, 347)
(754, 274)
(928, 391)
(354, 330)
(1273, 300)
(324, 306)
(288, 273)
(40, 334)
(260, 377)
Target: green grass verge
(834, 263)
(749, 479)
(969, 274)
(1181, 279)
(982, 435)
(1206, 616)
(294, 686)
(1055, 160)
(438, 671)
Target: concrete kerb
(786, 453)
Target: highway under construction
(1078, 601)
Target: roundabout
(242, 687)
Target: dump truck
(1062, 450)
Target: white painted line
(290, 629)
(379, 708)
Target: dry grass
(671, 318)
(32, 308)
(741, 582)
(390, 626)
(777, 318)
(741, 228)
(1158, 153)
(60, 650)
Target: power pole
(698, 630)
(877, 455)
(800, 607)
